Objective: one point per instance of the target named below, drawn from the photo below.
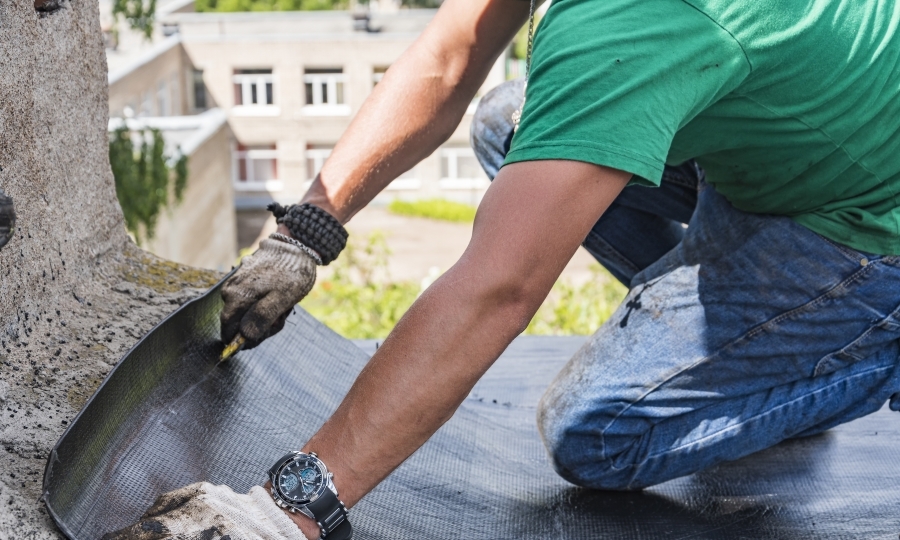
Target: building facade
(291, 82)
(288, 85)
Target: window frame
(333, 102)
(320, 155)
(248, 82)
(452, 180)
(250, 153)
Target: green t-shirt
(791, 106)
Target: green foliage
(359, 300)
(578, 309)
(269, 5)
(435, 209)
(520, 42)
(139, 14)
(145, 181)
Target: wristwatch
(302, 483)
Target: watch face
(301, 479)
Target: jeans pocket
(866, 344)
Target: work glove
(209, 512)
(261, 294)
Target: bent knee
(581, 455)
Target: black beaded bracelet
(314, 227)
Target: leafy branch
(140, 14)
(146, 181)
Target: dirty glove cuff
(274, 514)
(279, 255)
(204, 510)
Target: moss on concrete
(162, 276)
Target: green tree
(146, 180)
(139, 14)
(269, 5)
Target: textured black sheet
(169, 416)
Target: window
(378, 74)
(162, 98)
(198, 89)
(146, 104)
(316, 154)
(460, 169)
(324, 89)
(175, 86)
(254, 92)
(256, 168)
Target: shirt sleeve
(612, 81)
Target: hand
(261, 294)
(204, 510)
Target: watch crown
(313, 454)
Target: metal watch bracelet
(326, 509)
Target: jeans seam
(611, 252)
(830, 293)
(764, 413)
(751, 333)
(845, 250)
(878, 325)
(680, 180)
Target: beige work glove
(209, 512)
(261, 294)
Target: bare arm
(418, 104)
(531, 221)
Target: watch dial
(300, 479)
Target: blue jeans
(743, 331)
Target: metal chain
(530, 40)
(517, 115)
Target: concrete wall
(202, 231)
(160, 73)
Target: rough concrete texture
(74, 292)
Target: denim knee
(578, 452)
(492, 126)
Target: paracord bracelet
(291, 241)
(313, 227)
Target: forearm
(418, 104)
(525, 232)
(416, 381)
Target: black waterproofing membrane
(168, 415)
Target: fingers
(173, 500)
(146, 529)
(153, 524)
(259, 296)
(236, 306)
(265, 318)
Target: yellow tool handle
(233, 348)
